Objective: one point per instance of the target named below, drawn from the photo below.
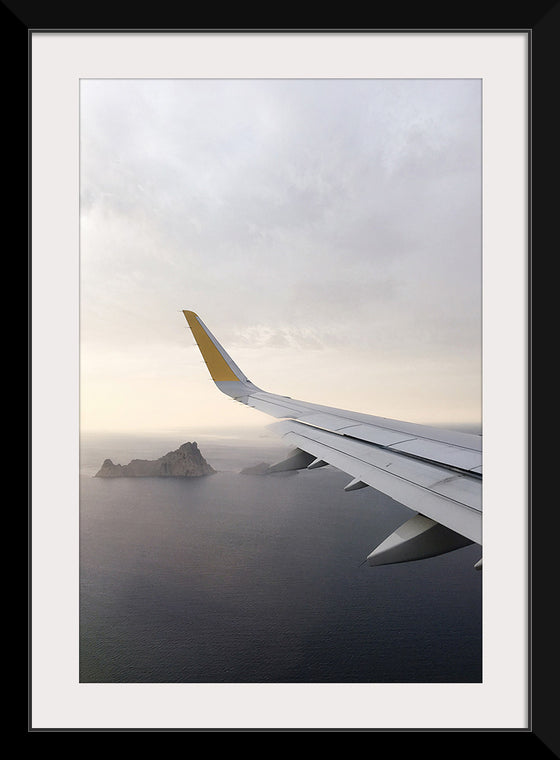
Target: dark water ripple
(236, 578)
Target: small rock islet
(184, 462)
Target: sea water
(236, 578)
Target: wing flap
(451, 499)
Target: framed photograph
(348, 212)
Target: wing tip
(190, 316)
(220, 365)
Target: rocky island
(261, 468)
(185, 462)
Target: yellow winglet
(217, 364)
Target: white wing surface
(436, 473)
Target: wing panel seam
(400, 477)
(406, 454)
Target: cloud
(291, 214)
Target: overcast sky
(328, 232)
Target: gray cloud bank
(295, 214)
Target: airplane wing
(436, 473)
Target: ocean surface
(237, 578)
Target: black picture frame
(21, 20)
